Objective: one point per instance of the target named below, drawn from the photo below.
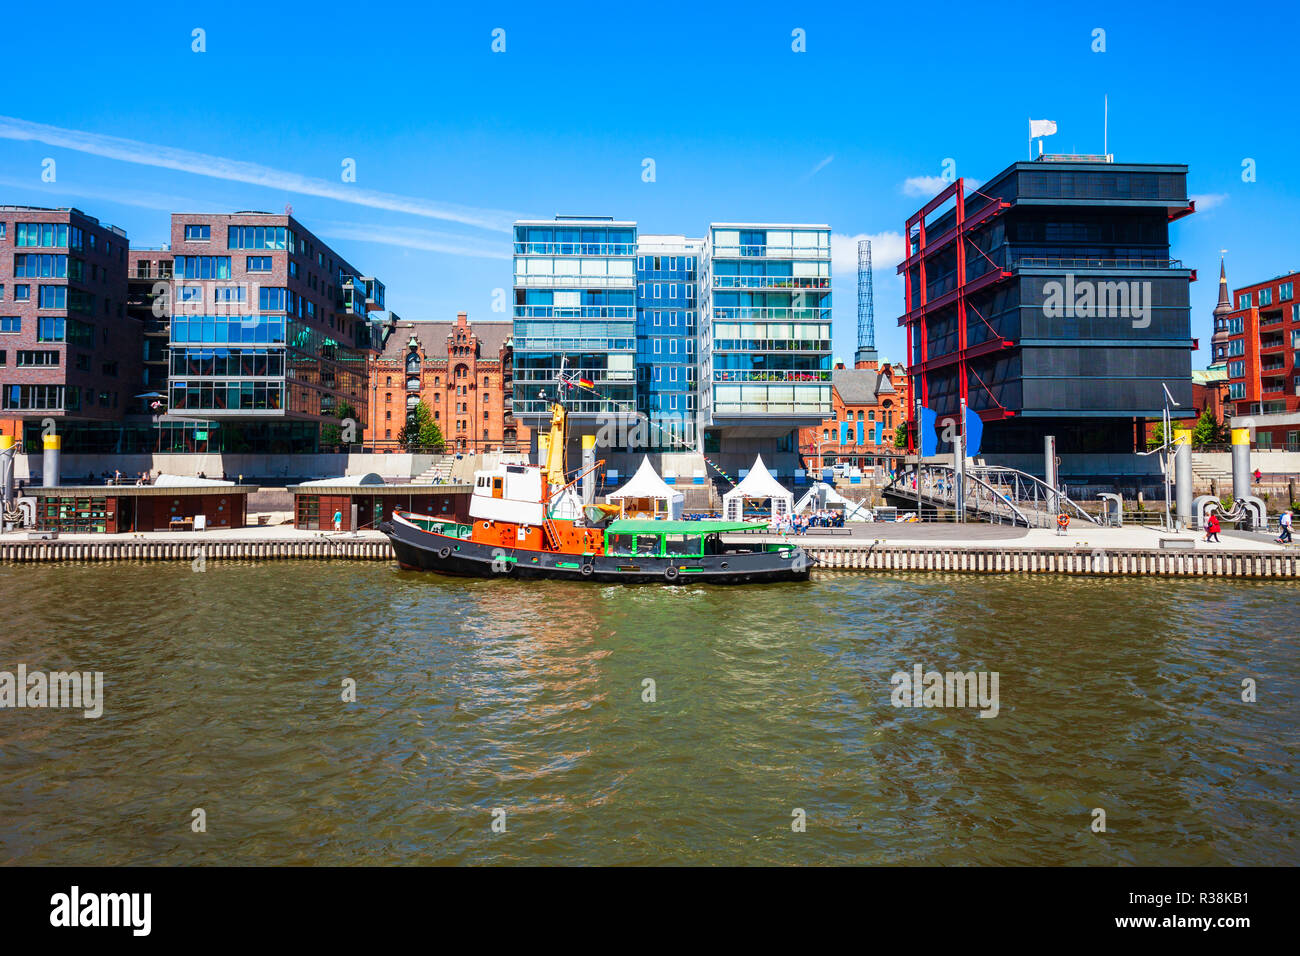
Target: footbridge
(992, 493)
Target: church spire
(1225, 304)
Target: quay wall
(894, 558)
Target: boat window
(647, 544)
(682, 544)
(620, 544)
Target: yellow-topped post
(53, 445)
(1183, 476)
(1241, 463)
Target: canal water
(526, 704)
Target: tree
(424, 434)
(1208, 429)
(340, 434)
(900, 436)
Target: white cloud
(886, 252)
(924, 187)
(218, 167)
(1207, 201)
(407, 237)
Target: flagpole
(1105, 134)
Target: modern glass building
(667, 339)
(1047, 299)
(268, 325)
(575, 290)
(767, 314)
(722, 342)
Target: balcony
(1271, 343)
(771, 282)
(374, 293)
(1087, 262)
(771, 252)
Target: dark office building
(1047, 299)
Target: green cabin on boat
(685, 539)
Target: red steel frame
(915, 312)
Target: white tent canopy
(648, 495)
(756, 485)
(186, 481)
(822, 496)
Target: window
(38, 357)
(1237, 347)
(259, 264)
(53, 297)
(33, 266)
(1284, 292)
(1236, 369)
(11, 323)
(1237, 390)
(43, 234)
(198, 233)
(22, 293)
(1265, 297)
(203, 267)
(1243, 300)
(25, 397)
(260, 237)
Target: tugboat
(528, 522)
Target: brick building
(68, 349)
(1257, 335)
(271, 334)
(868, 401)
(462, 371)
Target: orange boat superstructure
(534, 507)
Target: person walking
(1284, 527)
(338, 520)
(1258, 475)
(1212, 527)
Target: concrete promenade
(974, 548)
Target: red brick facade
(862, 398)
(461, 371)
(68, 334)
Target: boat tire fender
(671, 573)
(586, 570)
(444, 553)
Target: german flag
(585, 382)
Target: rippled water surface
(223, 692)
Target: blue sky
(452, 141)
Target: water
(223, 692)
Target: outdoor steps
(437, 473)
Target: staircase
(437, 473)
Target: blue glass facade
(575, 299)
(667, 328)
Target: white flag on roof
(1041, 128)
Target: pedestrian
(338, 520)
(1212, 527)
(1284, 528)
(1258, 475)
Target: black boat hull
(419, 550)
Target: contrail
(218, 167)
